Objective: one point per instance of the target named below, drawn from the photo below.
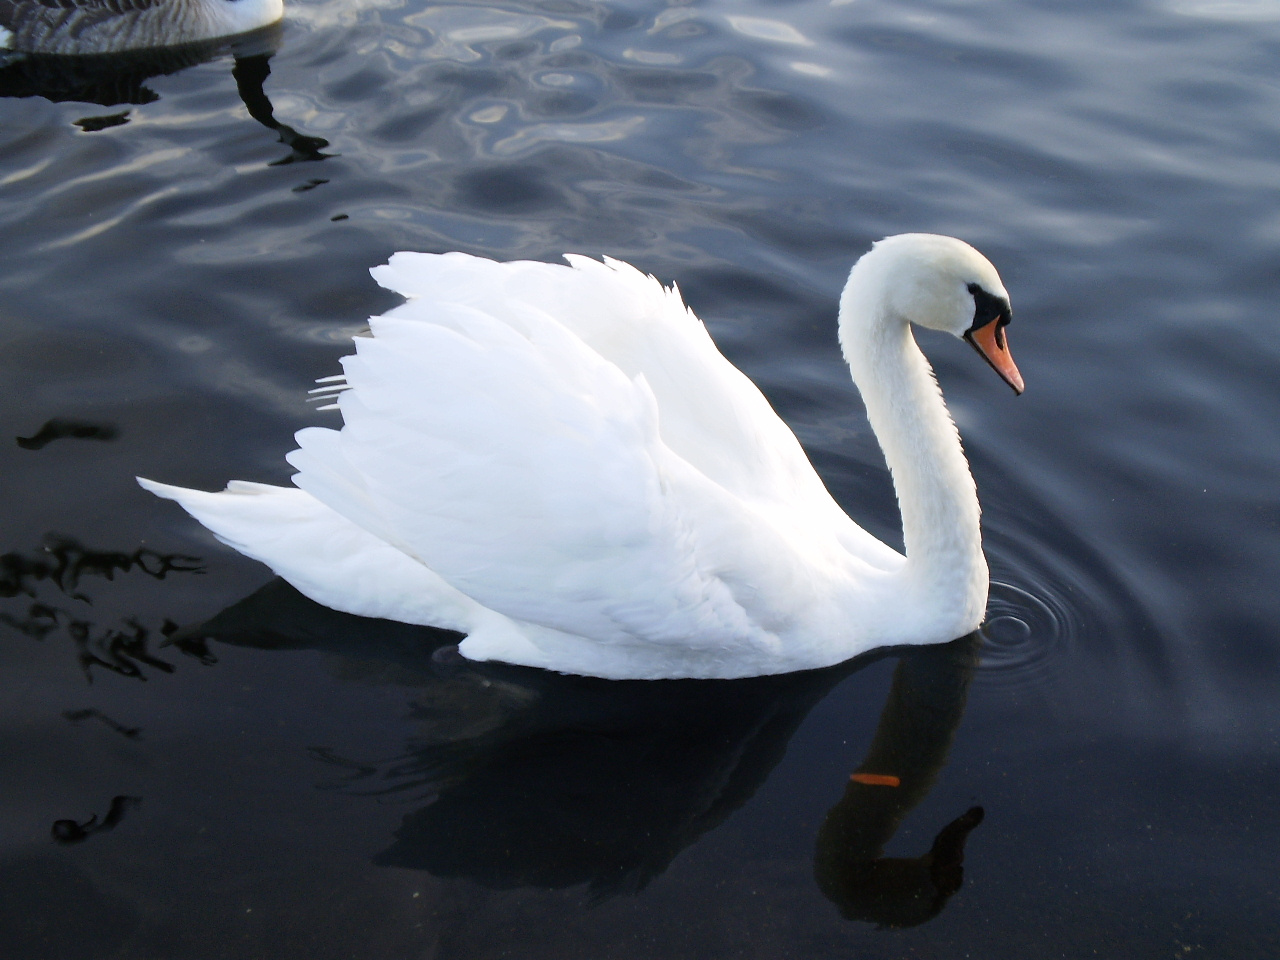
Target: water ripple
(1024, 634)
(1059, 607)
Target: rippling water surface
(198, 763)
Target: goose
(556, 461)
(87, 27)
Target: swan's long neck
(945, 565)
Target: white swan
(83, 27)
(557, 462)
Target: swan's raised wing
(710, 414)
(527, 471)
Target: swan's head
(944, 284)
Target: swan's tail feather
(235, 515)
(326, 556)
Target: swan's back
(82, 27)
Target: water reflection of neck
(917, 726)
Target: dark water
(185, 243)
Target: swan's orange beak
(989, 340)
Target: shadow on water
(536, 779)
(120, 79)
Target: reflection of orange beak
(989, 341)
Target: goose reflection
(551, 781)
(120, 79)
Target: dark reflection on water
(108, 79)
(251, 73)
(76, 716)
(60, 429)
(914, 734)
(543, 780)
(120, 78)
(63, 562)
(69, 831)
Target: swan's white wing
(711, 415)
(527, 471)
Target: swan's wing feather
(325, 472)
(527, 471)
(712, 415)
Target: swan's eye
(988, 307)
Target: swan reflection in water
(120, 79)
(543, 780)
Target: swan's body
(83, 27)
(557, 462)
